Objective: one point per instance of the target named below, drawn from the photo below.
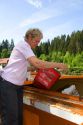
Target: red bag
(46, 78)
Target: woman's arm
(40, 64)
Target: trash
(71, 90)
(29, 76)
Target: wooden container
(50, 107)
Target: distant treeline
(64, 48)
(71, 43)
(6, 48)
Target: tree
(11, 46)
(38, 51)
(5, 44)
(5, 53)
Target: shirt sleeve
(26, 50)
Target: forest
(65, 48)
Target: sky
(53, 17)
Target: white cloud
(35, 18)
(55, 9)
(36, 3)
(39, 16)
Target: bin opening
(64, 82)
(74, 83)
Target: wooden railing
(43, 107)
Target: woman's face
(34, 41)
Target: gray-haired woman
(14, 75)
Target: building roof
(3, 60)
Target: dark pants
(11, 99)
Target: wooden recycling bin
(51, 107)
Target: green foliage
(77, 61)
(43, 57)
(68, 58)
(67, 49)
(6, 48)
(11, 46)
(4, 53)
(37, 51)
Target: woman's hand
(62, 67)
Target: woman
(14, 75)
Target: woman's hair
(33, 33)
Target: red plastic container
(46, 78)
